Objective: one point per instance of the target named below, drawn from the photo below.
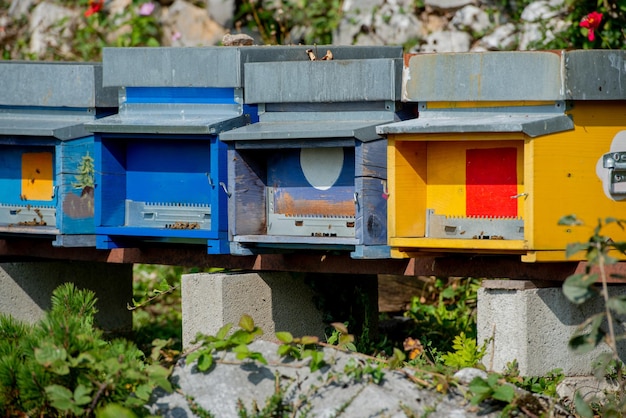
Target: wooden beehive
(46, 154)
(504, 146)
(312, 173)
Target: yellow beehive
(507, 143)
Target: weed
(581, 287)
(437, 324)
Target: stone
(47, 33)
(20, 7)
(239, 39)
(187, 25)
(503, 38)
(356, 22)
(471, 18)
(533, 326)
(394, 24)
(27, 288)
(542, 10)
(447, 4)
(276, 301)
(321, 393)
(466, 375)
(534, 34)
(447, 41)
(221, 11)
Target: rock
(45, 31)
(221, 11)
(447, 41)
(471, 18)
(502, 38)
(19, 7)
(187, 25)
(395, 25)
(447, 4)
(336, 387)
(466, 375)
(118, 7)
(356, 23)
(542, 10)
(535, 34)
(239, 39)
(378, 22)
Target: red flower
(94, 7)
(591, 22)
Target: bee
(37, 171)
(23, 197)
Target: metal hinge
(616, 164)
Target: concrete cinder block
(276, 302)
(533, 325)
(27, 288)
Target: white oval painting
(321, 166)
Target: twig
(145, 302)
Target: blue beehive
(161, 170)
(46, 155)
(313, 170)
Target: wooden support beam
(481, 266)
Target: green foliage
(544, 385)
(63, 366)
(360, 370)
(279, 21)
(494, 387)
(453, 312)
(611, 34)
(341, 338)
(301, 348)
(579, 288)
(156, 304)
(466, 353)
(90, 33)
(275, 406)
(237, 342)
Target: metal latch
(492, 228)
(168, 215)
(615, 162)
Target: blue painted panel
(10, 174)
(110, 163)
(76, 195)
(168, 172)
(180, 95)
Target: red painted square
(491, 180)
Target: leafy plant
(611, 33)
(579, 288)
(291, 21)
(63, 365)
(237, 342)
(439, 322)
(300, 348)
(494, 387)
(466, 352)
(365, 370)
